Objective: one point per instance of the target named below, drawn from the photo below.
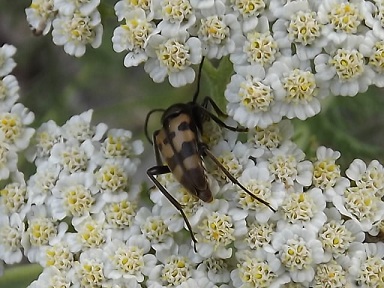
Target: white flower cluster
(15, 136)
(287, 55)
(75, 23)
(315, 239)
(81, 200)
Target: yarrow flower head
(132, 36)
(172, 56)
(60, 217)
(251, 100)
(80, 214)
(360, 200)
(299, 251)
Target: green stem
(217, 79)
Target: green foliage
(20, 276)
(353, 126)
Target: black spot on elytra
(187, 149)
(183, 126)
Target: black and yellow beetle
(178, 143)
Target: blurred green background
(56, 86)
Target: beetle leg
(208, 100)
(204, 150)
(219, 122)
(157, 170)
(198, 80)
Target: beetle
(178, 143)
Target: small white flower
(46, 136)
(73, 157)
(124, 8)
(367, 177)
(118, 143)
(120, 215)
(272, 136)
(284, 9)
(248, 12)
(74, 196)
(218, 228)
(251, 99)
(304, 208)
(52, 277)
(259, 47)
(216, 269)
(258, 269)
(132, 37)
(42, 231)
(128, 260)
(368, 265)
(86, 7)
(327, 174)
(88, 271)
(40, 15)
(6, 61)
(153, 227)
(377, 228)
(121, 283)
(344, 69)
(90, 233)
(114, 178)
(172, 56)
(331, 274)
(360, 204)
(9, 92)
(11, 231)
(173, 12)
(339, 237)
(79, 127)
(13, 125)
(373, 16)
(258, 235)
(177, 266)
(41, 183)
(299, 252)
(342, 19)
(57, 255)
(372, 48)
(301, 29)
(14, 196)
(296, 85)
(287, 164)
(218, 31)
(76, 31)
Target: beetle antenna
(198, 81)
(146, 123)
